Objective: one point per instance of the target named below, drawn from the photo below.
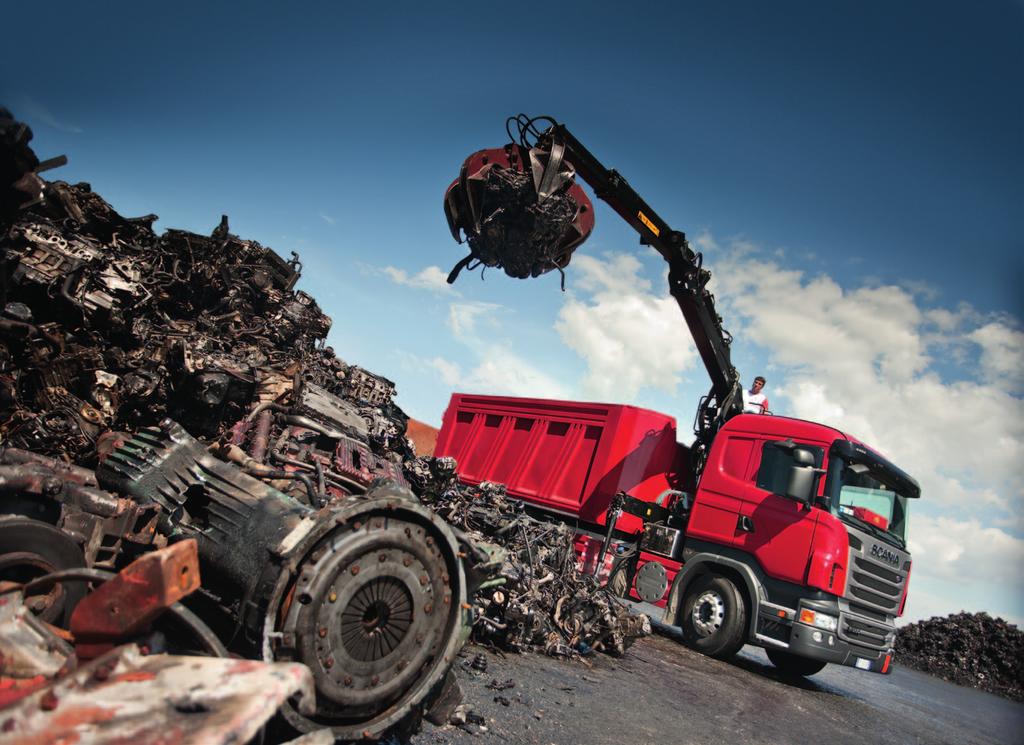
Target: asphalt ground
(662, 692)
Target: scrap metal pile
(161, 388)
(971, 649)
(540, 601)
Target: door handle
(745, 524)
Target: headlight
(821, 620)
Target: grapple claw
(519, 209)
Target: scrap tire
(31, 548)
(714, 616)
(794, 665)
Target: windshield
(863, 498)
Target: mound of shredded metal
(541, 602)
(109, 328)
(970, 649)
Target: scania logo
(885, 554)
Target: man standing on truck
(754, 401)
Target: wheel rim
(25, 566)
(708, 613)
(30, 549)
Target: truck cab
(809, 525)
(792, 537)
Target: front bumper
(820, 644)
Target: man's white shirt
(754, 403)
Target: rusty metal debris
(539, 601)
(160, 389)
(156, 388)
(126, 696)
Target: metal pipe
(307, 423)
(266, 405)
(248, 464)
(80, 475)
(614, 512)
(261, 438)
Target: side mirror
(803, 457)
(800, 484)
(803, 477)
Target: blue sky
(852, 172)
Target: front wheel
(791, 664)
(714, 617)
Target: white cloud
(450, 372)
(630, 336)
(328, 219)
(428, 278)
(925, 290)
(462, 317)
(488, 363)
(1002, 353)
(500, 371)
(964, 553)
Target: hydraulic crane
(520, 208)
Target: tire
(31, 548)
(794, 665)
(714, 617)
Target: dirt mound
(970, 649)
(423, 436)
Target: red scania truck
(767, 530)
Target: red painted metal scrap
(125, 697)
(129, 602)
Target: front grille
(874, 599)
(875, 585)
(863, 610)
(877, 569)
(865, 632)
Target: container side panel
(474, 452)
(574, 467)
(514, 447)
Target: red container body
(602, 448)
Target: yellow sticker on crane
(650, 225)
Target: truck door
(776, 530)
(717, 507)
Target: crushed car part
(125, 696)
(30, 549)
(368, 592)
(540, 601)
(28, 648)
